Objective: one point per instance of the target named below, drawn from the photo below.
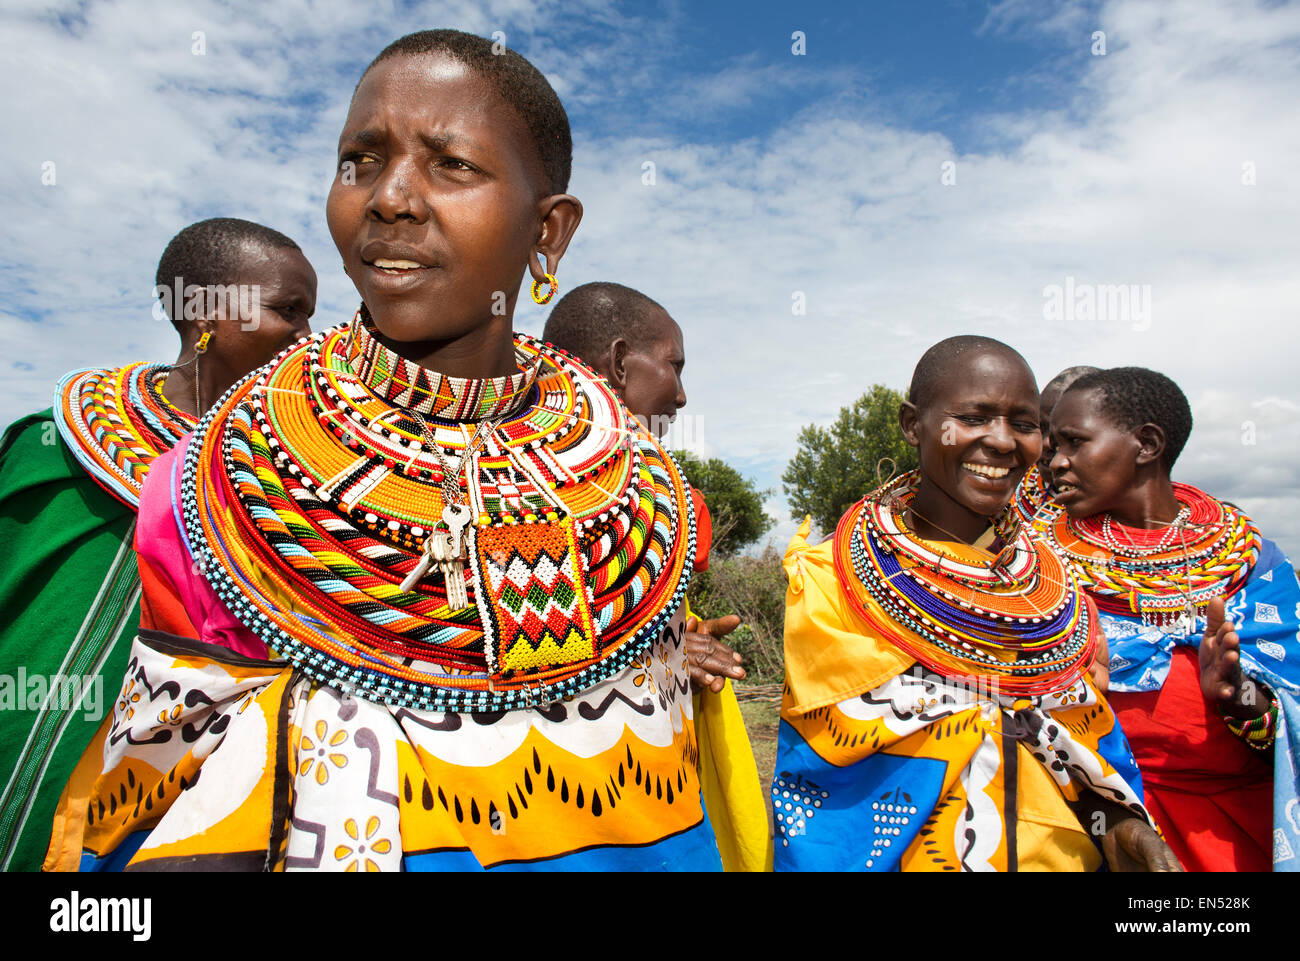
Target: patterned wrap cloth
(69, 486)
(884, 765)
(1214, 796)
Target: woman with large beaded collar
(438, 624)
(70, 479)
(938, 714)
(1201, 612)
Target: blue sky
(777, 175)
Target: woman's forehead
(448, 104)
(988, 380)
(1079, 407)
(425, 88)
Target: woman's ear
(560, 215)
(1151, 444)
(206, 325)
(615, 362)
(908, 418)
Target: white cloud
(1139, 182)
(1135, 178)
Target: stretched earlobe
(535, 265)
(907, 418)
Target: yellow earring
(202, 346)
(552, 286)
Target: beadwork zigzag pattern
(538, 610)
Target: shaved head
(941, 360)
(1055, 387)
(589, 318)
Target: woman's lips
(1065, 493)
(395, 275)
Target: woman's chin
(406, 326)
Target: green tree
(735, 505)
(833, 468)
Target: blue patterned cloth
(1266, 614)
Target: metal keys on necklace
(446, 550)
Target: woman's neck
(936, 516)
(484, 352)
(1150, 503)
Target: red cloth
(1211, 795)
(703, 530)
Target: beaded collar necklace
(418, 390)
(1021, 623)
(1167, 575)
(116, 422)
(307, 482)
(1031, 495)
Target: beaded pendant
(538, 605)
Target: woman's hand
(1222, 683)
(1134, 845)
(710, 661)
(1099, 670)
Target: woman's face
(1095, 463)
(435, 204)
(260, 327)
(979, 433)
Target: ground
(761, 718)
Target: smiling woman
(937, 657)
(438, 624)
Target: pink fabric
(161, 545)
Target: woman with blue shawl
(1201, 614)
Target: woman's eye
(973, 419)
(354, 160)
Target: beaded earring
(1006, 527)
(552, 286)
(200, 348)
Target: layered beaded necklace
(1017, 619)
(319, 478)
(116, 422)
(1031, 496)
(1168, 575)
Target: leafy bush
(754, 588)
